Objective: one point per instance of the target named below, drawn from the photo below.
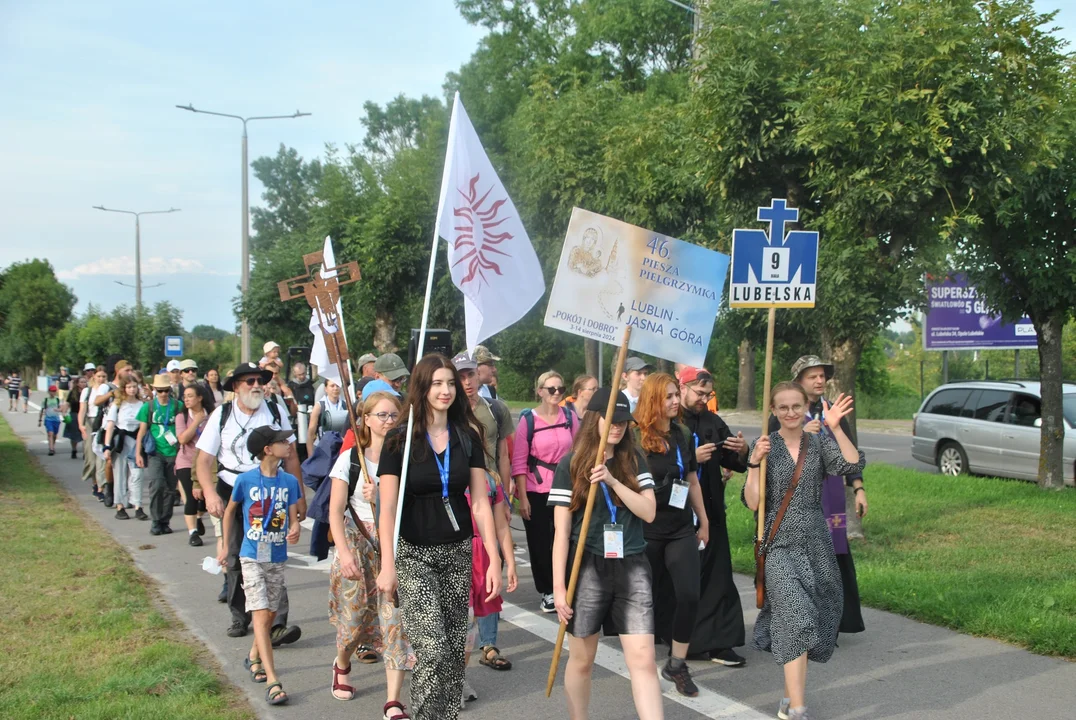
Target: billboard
(957, 319)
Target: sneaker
(682, 679)
(547, 605)
(165, 530)
(195, 541)
(238, 629)
(201, 527)
(223, 596)
(469, 695)
(728, 657)
(803, 714)
(52, 452)
(783, 708)
(121, 514)
(281, 635)
(141, 514)
(155, 530)
(74, 455)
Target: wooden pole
(765, 424)
(577, 561)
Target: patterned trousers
(435, 585)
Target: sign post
(660, 294)
(772, 270)
(173, 346)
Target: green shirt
(561, 495)
(163, 425)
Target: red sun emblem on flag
(477, 237)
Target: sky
(88, 118)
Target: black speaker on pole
(437, 340)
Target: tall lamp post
(245, 251)
(138, 244)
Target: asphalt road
(890, 448)
(897, 669)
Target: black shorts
(13, 394)
(614, 596)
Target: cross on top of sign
(778, 214)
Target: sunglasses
(166, 390)
(555, 390)
(252, 381)
(193, 370)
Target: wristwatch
(754, 465)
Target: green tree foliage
(34, 306)
(137, 337)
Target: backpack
(102, 410)
(533, 462)
(226, 412)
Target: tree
(34, 306)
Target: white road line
(708, 703)
(873, 449)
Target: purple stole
(834, 507)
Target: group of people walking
(656, 559)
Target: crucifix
(321, 288)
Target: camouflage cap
(811, 361)
(482, 356)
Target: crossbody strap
(791, 490)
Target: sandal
(276, 698)
(258, 675)
(492, 658)
(395, 705)
(366, 656)
(337, 685)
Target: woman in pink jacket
(544, 435)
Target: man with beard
(225, 438)
(719, 624)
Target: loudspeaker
(438, 340)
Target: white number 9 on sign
(775, 265)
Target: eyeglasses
(555, 390)
(703, 395)
(386, 416)
(255, 380)
(193, 370)
(788, 409)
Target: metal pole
(245, 253)
(1016, 364)
(601, 362)
(922, 387)
(945, 366)
(138, 265)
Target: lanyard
(268, 513)
(679, 461)
(609, 504)
(442, 468)
(167, 414)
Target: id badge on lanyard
(613, 532)
(678, 496)
(265, 548)
(442, 470)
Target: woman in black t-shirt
(432, 563)
(672, 543)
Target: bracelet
(858, 489)
(754, 465)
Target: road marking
(708, 703)
(874, 449)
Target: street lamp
(138, 245)
(245, 276)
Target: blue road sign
(774, 269)
(173, 346)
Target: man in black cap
(225, 438)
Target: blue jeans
(487, 629)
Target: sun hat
(161, 382)
(482, 355)
(811, 361)
(245, 369)
(88, 366)
(188, 364)
(269, 346)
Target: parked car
(990, 428)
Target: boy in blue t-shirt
(268, 497)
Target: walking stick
(760, 574)
(577, 561)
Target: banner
(958, 320)
(612, 274)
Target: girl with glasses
(544, 436)
(363, 617)
(804, 598)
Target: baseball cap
(811, 361)
(269, 346)
(690, 375)
(172, 365)
(464, 361)
(377, 386)
(188, 365)
(264, 436)
(636, 363)
(391, 366)
(482, 355)
(88, 366)
(52, 388)
(599, 402)
(367, 358)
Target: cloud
(124, 265)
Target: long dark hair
(460, 416)
(203, 392)
(625, 465)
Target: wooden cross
(322, 294)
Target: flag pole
(421, 342)
(577, 561)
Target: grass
(887, 407)
(84, 636)
(987, 557)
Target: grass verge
(83, 636)
(988, 557)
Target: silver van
(989, 427)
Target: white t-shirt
(341, 471)
(92, 409)
(230, 446)
(633, 402)
(125, 415)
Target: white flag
(489, 254)
(334, 322)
